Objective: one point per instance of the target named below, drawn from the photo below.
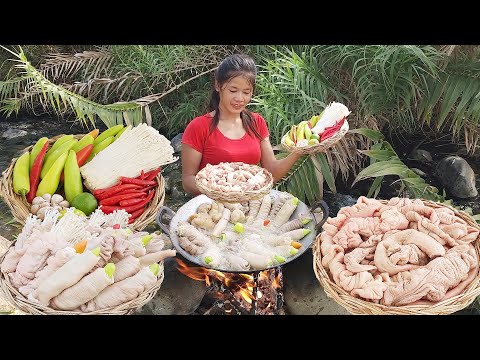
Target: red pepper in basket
(117, 198)
(152, 174)
(127, 180)
(130, 202)
(142, 176)
(35, 173)
(135, 215)
(114, 190)
(332, 130)
(130, 209)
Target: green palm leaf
(48, 94)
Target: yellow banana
(307, 131)
(288, 141)
(301, 131)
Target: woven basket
(237, 196)
(321, 147)
(21, 208)
(362, 307)
(19, 301)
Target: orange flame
(243, 288)
(194, 272)
(276, 282)
(246, 295)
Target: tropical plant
(292, 87)
(28, 84)
(385, 161)
(113, 73)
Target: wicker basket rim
(363, 307)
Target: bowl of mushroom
(234, 182)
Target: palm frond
(453, 103)
(60, 100)
(302, 180)
(62, 66)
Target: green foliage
(291, 87)
(385, 161)
(30, 83)
(453, 104)
(178, 109)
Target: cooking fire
(259, 293)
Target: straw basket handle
(168, 213)
(326, 212)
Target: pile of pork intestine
(401, 253)
(45, 267)
(236, 177)
(260, 242)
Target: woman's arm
(278, 168)
(191, 159)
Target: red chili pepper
(114, 190)
(142, 176)
(116, 226)
(332, 130)
(130, 202)
(135, 215)
(82, 157)
(117, 198)
(127, 180)
(130, 209)
(152, 174)
(266, 222)
(35, 173)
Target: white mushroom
(56, 199)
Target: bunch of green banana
(301, 134)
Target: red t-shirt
(216, 147)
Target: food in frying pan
(245, 237)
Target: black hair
(233, 66)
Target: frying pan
(190, 208)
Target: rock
(178, 295)
(457, 177)
(14, 133)
(336, 201)
(421, 155)
(177, 143)
(168, 187)
(302, 291)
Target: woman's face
(234, 95)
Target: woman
(229, 132)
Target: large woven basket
(362, 307)
(237, 196)
(21, 208)
(321, 147)
(19, 301)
